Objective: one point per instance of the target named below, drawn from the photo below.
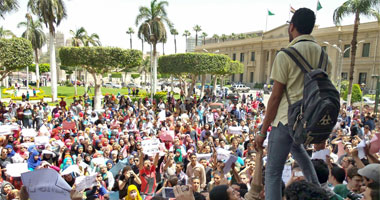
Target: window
(324, 48)
(251, 77)
(365, 52)
(234, 56)
(362, 78)
(344, 76)
(347, 52)
(241, 57)
(252, 56)
(233, 78)
(241, 77)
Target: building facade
(258, 53)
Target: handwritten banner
(150, 147)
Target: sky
(110, 19)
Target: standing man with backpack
(293, 68)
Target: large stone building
(258, 53)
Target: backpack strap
(323, 60)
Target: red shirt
(148, 180)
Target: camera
(353, 196)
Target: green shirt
(341, 190)
(288, 73)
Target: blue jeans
(280, 143)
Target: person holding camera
(125, 179)
(353, 186)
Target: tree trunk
(75, 82)
(172, 83)
(154, 68)
(203, 85)
(85, 82)
(130, 40)
(163, 49)
(175, 45)
(145, 79)
(191, 88)
(53, 68)
(186, 43)
(215, 80)
(37, 68)
(142, 47)
(353, 55)
(196, 38)
(98, 91)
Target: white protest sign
(99, 161)
(16, 169)
(45, 184)
(207, 156)
(235, 130)
(321, 154)
(41, 140)
(223, 154)
(71, 169)
(84, 182)
(150, 147)
(228, 164)
(28, 132)
(6, 130)
(43, 129)
(287, 173)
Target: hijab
(32, 163)
(12, 153)
(130, 189)
(179, 158)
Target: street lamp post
(340, 63)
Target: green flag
(270, 13)
(319, 6)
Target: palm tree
(163, 46)
(92, 39)
(5, 33)
(130, 32)
(204, 35)
(174, 32)
(145, 67)
(232, 36)
(8, 6)
(186, 34)
(224, 37)
(77, 40)
(197, 29)
(151, 21)
(51, 12)
(242, 36)
(367, 8)
(215, 37)
(36, 36)
(78, 37)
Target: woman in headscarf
(34, 160)
(11, 152)
(68, 143)
(178, 156)
(133, 193)
(6, 188)
(68, 161)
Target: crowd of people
(209, 148)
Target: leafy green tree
(215, 37)
(186, 34)
(98, 61)
(242, 36)
(35, 34)
(193, 65)
(197, 29)
(43, 68)
(204, 35)
(151, 21)
(4, 33)
(15, 54)
(51, 13)
(134, 76)
(368, 8)
(130, 32)
(7, 6)
(174, 32)
(232, 36)
(356, 94)
(224, 37)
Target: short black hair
(353, 171)
(321, 169)
(338, 173)
(304, 190)
(303, 20)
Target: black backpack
(312, 119)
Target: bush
(259, 86)
(116, 75)
(356, 93)
(68, 83)
(134, 76)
